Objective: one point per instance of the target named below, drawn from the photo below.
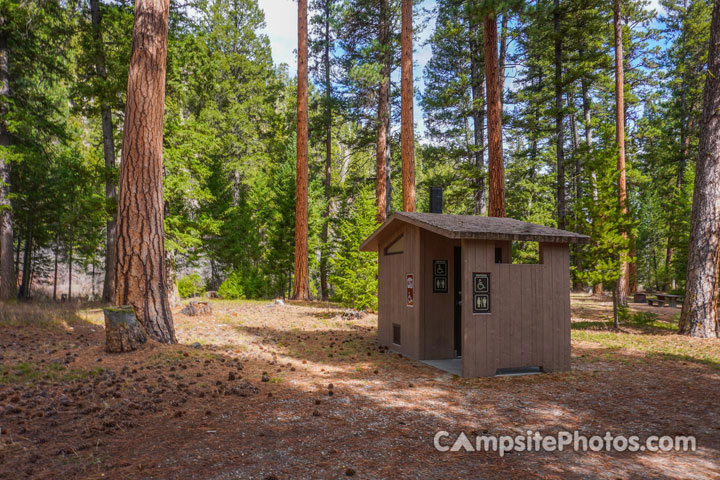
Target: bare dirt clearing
(297, 391)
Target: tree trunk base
(196, 308)
(123, 333)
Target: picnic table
(663, 298)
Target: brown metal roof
(477, 227)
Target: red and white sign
(410, 290)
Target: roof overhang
(371, 244)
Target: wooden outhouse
(449, 293)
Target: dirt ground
(262, 391)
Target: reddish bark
(407, 134)
(301, 286)
(496, 168)
(140, 278)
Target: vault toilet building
(449, 292)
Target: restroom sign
(410, 281)
(440, 276)
(481, 292)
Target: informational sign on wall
(440, 276)
(481, 292)
(410, 281)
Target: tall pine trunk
(328, 155)
(109, 155)
(301, 286)
(7, 272)
(407, 134)
(383, 120)
(496, 168)
(699, 312)
(559, 131)
(140, 277)
(622, 283)
(477, 78)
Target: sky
(281, 28)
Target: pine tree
(140, 273)
(407, 129)
(699, 312)
(354, 273)
(301, 287)
(496, 169)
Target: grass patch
(27, 372)
(646, 322)
(48, 315)
(670, 347)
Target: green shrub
(644, 318)
(354, 273)
(232, 287)
(191, 286)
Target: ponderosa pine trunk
(140, 276)
(383, 115)
(324, 293)
(559, 130)
(622, 286)
(407, 134)
(496, 168)
(477, 80)
(301, 286)
(699, 312)
(108, 154)
(7, 270)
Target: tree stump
(123, 333)
(196, 308)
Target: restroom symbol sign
(481, 292)
(482, 303)
(440, 276)
(481, 283)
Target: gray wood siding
(529, 323)
(392, 305)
